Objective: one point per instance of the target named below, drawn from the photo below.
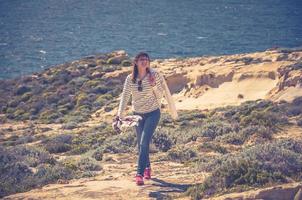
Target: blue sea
(38, 34)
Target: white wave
(36, 39)
(162, 34)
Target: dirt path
(116, 181)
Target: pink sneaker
(147, 173)
(139, 179)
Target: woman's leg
(151, 121)
(139, 131)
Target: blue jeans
(144, 132)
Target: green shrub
(93, 83)
(192, 115)
(79, 149)
(79, 81)
(108, 108)
(98, 154)
(235, 113)
(232, 138)
(180, 154)
(49, 116)
(82, 99)
(75, 117)
(255, 166)
(16, 165)
(49, 174)
(26, 96)
(184, 135)
(162, 140)
(297, 101)
(259, 130)
(213, 146)
(90, 138)
(213, 129)
(58, 144)
(103, 99)
(70, 125)
(13, 178)
(245, 133)
(81, 165)
(31, 156)
(101, 89)
(122, 143)
(294, 110)
(165, 119)
(262, 118)
(88, 164)
(22, 140)
(51, 98)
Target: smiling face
(143, 62)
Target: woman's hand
(116, 118)
(116, 124)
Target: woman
(147, 87)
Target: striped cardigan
(149, 99)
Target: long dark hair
(135, 67)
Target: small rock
(62, 181)
(126, 63)
(116, 60)
(22, 89)
(101, 56)
(97, 74)
(240, 96)
(89, 57)
(91, 65)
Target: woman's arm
(162, 89)
(125, 97)
(158, 87)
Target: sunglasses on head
(140, 87)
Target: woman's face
(143, 62)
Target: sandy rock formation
(292, 191)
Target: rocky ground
(170, 180)
(117, 182)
